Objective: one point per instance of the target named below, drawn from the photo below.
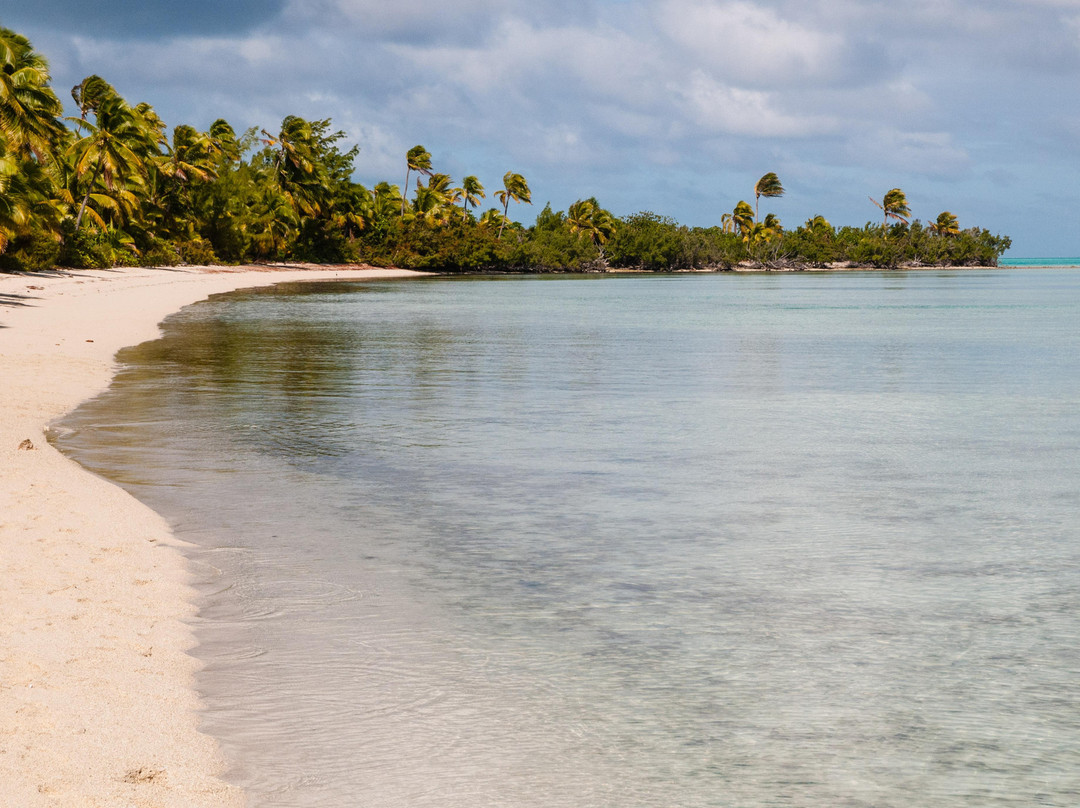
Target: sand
(97, 699)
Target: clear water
(1040, 262)
(765, 540)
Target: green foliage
(648, 241)
(552, 244)
(36, 251)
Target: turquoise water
(758, 540)
(1040, 262)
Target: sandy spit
(97, 706)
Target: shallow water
(764, 540)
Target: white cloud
(718, 107)
(751, 44)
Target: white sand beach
(97, 706)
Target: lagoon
(755, 540)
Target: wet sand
(97, 706)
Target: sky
(671, 106)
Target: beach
(98, 705)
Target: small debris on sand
(143, 775)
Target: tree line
(112, 186)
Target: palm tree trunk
(502, 224)
(405, 191)
(89, 188)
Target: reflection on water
(696, 541)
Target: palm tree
(31, 137)
(191, 159)
(29, 109)
(760, 233)
(587, 217)
(223, 137)
(384, 198)
(818, 224)
(299, 174)
(894, 205)
(514, 187)
(271, 217)
(113, 149)
(742, 218)
(15, 198)
(190, 156)
(416, 159)
(946, 224)
(769, 185)
(492, 218)
(471, 194)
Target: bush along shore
(113, 187)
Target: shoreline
(99, 706)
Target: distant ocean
(729, 540)
(1039, 262)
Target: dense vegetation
(112, 187)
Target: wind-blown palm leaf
(471, 194)
(946, 225)
(894, 205)
(416, 159)
(586, 217)
(743, 217)
(769, 186)
(29, 109)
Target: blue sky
(674, 106)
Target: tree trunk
(502, 224)
(89, 188)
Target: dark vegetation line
(110, 187)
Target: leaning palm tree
(471, 194)
(894, 205)
(769, 185)
(416, 159)
(946, 224)
(515, 188)
(111, 151)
